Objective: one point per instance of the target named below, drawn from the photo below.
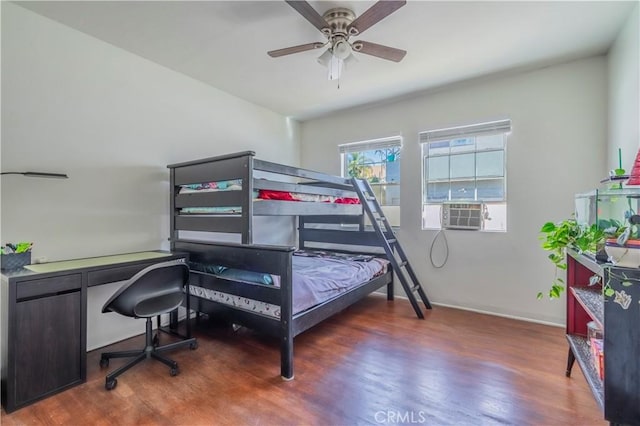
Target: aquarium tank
(607, 207)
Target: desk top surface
(94, 261)
(90, 262)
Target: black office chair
(156, 290)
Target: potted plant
(557, 237)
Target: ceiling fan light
(342, 49)
(325, 58)
(351, 59)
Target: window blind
(370, 145)
(492, 127)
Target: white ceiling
(224, 43)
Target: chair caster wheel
(174, 371)
(193, 346)
(104, 362)
(155, 341)
(110, 384)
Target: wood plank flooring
(374, 363)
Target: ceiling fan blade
(374, 14)
(309, 13)
(384, 52)
(294, 49)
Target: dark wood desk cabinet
(44, 324)
(618, 315)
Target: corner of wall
(624, 88)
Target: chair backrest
(157, 281)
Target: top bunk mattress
(260, 194)
(225, 198)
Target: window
(378, 161)
(466, 164)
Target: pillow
(249, 276)
(235, 184)
(233, 274)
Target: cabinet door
(622, 347)
(47, 345)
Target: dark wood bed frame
(347, 230)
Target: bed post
(173, 234)
(390, 286)
(300, 228)
(247, 204)
(286, 318)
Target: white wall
(557, 148)
(624, 94)
(112, 121)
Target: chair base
(151, 350)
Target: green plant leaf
(626, 283)
(557, 237)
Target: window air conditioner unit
(464, 215)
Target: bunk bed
(260, 286)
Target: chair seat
(154, 306)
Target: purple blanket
(317, 279)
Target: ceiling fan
(340, 24)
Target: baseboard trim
(480, 311)
(164, 323)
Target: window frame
(372, 145)
(499, 127)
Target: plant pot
(14, 260)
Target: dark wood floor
(375, 363)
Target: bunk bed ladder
(391, 245)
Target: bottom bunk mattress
(317, 277)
